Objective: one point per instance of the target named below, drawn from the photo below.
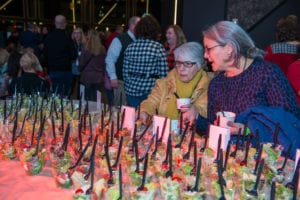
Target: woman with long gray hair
(245, 81)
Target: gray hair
(227, 32)
(191, 51)
(133, 20)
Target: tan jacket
(164, 89)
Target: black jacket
(59, 50)
(29, 83)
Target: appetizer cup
(62, 178)
(60, 172)
(33, 163)
(8, 151)
(78, 176)
(81, 194)
(60, 162)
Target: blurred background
(258, 17)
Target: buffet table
(180, 166)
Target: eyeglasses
(207, 49)
(186, 64)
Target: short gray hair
(133, 20)
(191, 51)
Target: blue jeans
(61, 82)
(134, 101)
(110, 96)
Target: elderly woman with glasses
(186, 80)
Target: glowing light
(175, 12)
(108, 12)
(147, 7)
(5, 4)
(73, 13)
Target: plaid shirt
(144, 62)
(284, 47)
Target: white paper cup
(182, 101)
(224, 117)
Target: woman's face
(186, 69)
(45, 30)
(77, 35)
(171, 36)
(216, 54)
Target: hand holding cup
(183, 103)
(188, 111)
(224, 117)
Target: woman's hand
(143, 117)
(189, 113)
(234, 127)
(114, 83)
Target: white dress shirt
(113, 54)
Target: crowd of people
(137, 69)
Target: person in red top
(119, 29)
(293, 74)
(175, 37)
(284, 52)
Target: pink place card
(129, 118)
(214, 132)
(159, 121)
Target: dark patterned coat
(262, 83)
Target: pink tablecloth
(15, 184)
